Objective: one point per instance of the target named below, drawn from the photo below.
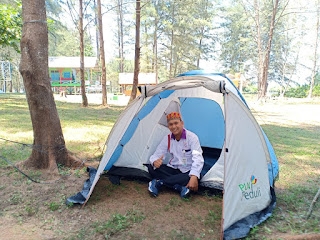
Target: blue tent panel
(130, 131)
(274, 169)
(204, 117)
(149, 106)
(166, 93)
(116, 154)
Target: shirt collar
(183, 135)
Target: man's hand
(193, 183)
(157, 163)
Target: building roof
(71, 62)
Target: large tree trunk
(49, 145)
(83, 86)
(103, 63)
(315, 55)
(137, 53)
(263, 84)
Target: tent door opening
(205, 118)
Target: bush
(298, 92)
(251, 89)
(316, 91)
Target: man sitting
(185, 160)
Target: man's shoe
(153, 188)
(185, 192)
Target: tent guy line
(35, 181)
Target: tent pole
(224, 162)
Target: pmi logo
(249, 189)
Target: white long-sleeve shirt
(185, 154)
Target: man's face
(175, 126)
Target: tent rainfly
(239, 158)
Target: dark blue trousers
(170, 176)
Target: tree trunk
(155, 48)
(103, 62)
(83, 86)
(137, 53)
(263, 84)
(315, 55)
(200, 46)
(120, 35)
(259, 41)
(295, 67)
(49, 145)
(97, 29)
(172, 42)
(284, 66)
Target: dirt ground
(31, 211)
(27, 211)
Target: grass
(85, 129)
(117, 223)
(294, 138)
(296, 143)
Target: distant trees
(175, 35)
(316, 44)
(78, 20)
(259, 38)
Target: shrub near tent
(239, 158)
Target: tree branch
(313, 203)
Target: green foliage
(316, 91)
(64, 41)
(251, 89)
(10, 25)
(298, 92)
(237, 43)
(183, 33)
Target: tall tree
(313, 76)
(120, 11)
(103, 61)
(97, 29)
(137, 54)
(83, 86)
(263, 81)
(237, 45)
(266, 15)
(48, 140)
(78, 20)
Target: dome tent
(239, 158)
